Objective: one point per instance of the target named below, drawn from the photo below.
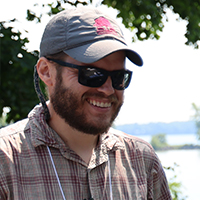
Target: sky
(162, 90)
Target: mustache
(112, 98)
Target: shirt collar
(43, 134)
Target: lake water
(176, 139)
(188, 161)
(187, 172)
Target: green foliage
(174, 186)
(54, 8)
(143, 17)
(31, 16)
(146, 16)
(159, 141)
(189, 10)
(197, 118)
(16, 80)
(4, 116)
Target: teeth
(100, 104)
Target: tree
(16, 82)
(197, 118)
(146, 16)
(174, 186)
(142, 17)
(159, 141)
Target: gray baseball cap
(86, 34)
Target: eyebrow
(66, 64)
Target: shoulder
(141, 156)
(134, 147)
(15, 128)
(12, 136)
(131, 140)
(137, 151)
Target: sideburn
(66, 104)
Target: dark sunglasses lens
(121, 79)
(91, 77)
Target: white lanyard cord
(110, 181)
(61, 190)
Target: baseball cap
(86, 34)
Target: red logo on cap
(104, 26)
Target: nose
(107, 87)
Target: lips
(100, 104)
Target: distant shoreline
(178, 147)
(160, 127)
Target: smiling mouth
(100, 104)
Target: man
(65, 149)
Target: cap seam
(93, 41)
(85, 40)
(66, 27)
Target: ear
(46, 71)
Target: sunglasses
(96, 77)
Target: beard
(68, 105)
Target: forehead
(114, 61)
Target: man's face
(89, 110)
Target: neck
(81, 143)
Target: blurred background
(162, 103)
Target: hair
(58, 56)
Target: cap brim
(95, 51)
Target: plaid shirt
(26, 171)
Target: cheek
(120, 95)
(69, 79)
